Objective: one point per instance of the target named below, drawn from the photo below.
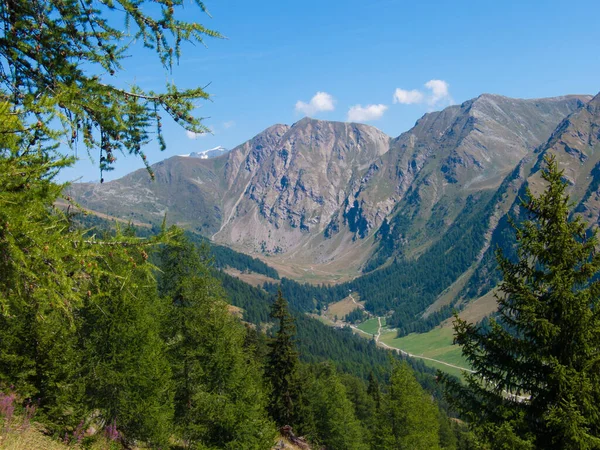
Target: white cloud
(192, 135)
(439, 92)
(358, 113)
(407, 97)
(439, 95)
(322, 101)
(228, 124)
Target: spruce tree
(409, 413)
(282, 367)
(537, 379)
(220, 400)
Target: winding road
(389, 347)
(398, 350)
(410, 355)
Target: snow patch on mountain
(206, 154)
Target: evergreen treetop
(282, 366)
(537, 377)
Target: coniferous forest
(151, 353)
(112, 339)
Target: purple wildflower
(30, 410)
(79, 432)
(111, 432)
(7, 405)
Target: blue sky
(381, 62)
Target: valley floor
(435, 348)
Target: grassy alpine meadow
(371, 326)
(436, 344)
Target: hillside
(323, 201)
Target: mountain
(206, 154)
(451, 155)
(324, 200)
(271, 195)
(447, 261)
(575, 143)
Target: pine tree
(41, 359)
(537, 379)
(410, 415)
(374, 390)
(379, 430)
(363, 402)
(334, 414)
(125, 368)
(220, 400)
(282, 367)
(78, 317)
(447, 435)
(48, 272)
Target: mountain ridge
(313, 196)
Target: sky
(380, 62)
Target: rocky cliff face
(576, 145)
(324, 196)
(296, 182)
(422, 183)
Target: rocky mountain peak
(594, 104)
(576, 145)
(290, 187)
(316, 192)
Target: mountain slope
(321, 198)
(271, 195)
(575, 143)
(451, 155)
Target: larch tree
(409, 414)
(124, 366)
(53, 280)
(59, 60)
(537, 368)
(334, 414)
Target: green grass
(436, 344)
(446, 369)
(370, 326)
(31, 438)
(323, 319)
